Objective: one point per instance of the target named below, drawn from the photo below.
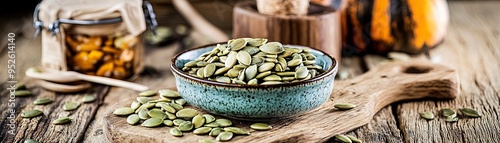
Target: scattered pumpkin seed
(122, 111)
(148, 93)
(30, 141)
(170, 116)
(354, 139)
(343, 138)
(208, 118)
(22, 93)
(168, 108)
(213, 125)
(176, 132)
(169, 93)
(144, 100)
(469, 112)
(215, 132)
(198, 121)
(206, 141)
(202, 130)
(180, 101)
(70, 106)
(176, 106)
(133, 119)
(451, 119)
(31, 113)
(152, 122)
(168, 123)
(447, 112)
(427, 115)
(157, 114)
(344, 106)
(88, 98)
(260, 126)
(186, 126)
(224, 122)
(143, 113)
(42, 101)
(224, 136)
(186, 113)
(62, 120)
(236, 130)
(20, 86)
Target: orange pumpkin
(380, 26)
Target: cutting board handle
(399, 81)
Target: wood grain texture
(319, 29)
(379, 87)
(472, 47)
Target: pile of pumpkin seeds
(450, 115)
(254, 61)
(169, 111)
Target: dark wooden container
(319, 29)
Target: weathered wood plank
(472, 47)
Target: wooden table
(472, 47)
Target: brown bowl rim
(323, 75)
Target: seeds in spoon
(343, 138)
(88, 98)
(427, 115)
(470, 112)
(344, 106)
(354, 139)
(70, 106)
(447, 112)
(30, 141)
(42, 101)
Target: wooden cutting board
(371, 91)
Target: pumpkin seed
(213, 59)
(265, 67)
(285, 54)
(427, 115)
(73, 106)
(133, 119)
(447, 112)
(241, 75)
(22, 93)
(170, 116)
(221, 47)
(278, 68)
(152, 122)
(469, 112)
(224, 122)
(208, 118)
(176, 132)
(31, 113)
(30, 141)
(202, 63)
(144, 100)
(223, 79)
(256, 41)
(157, 114)
(148, 105)
(294, 62)
(282, 62)
(62, 120)
(221, 70)
(309, 62)
(235, 130)
(186, 126)
(215, 131)
(187, 113)
(168, 123)
(354, 139)
(206, 141)
(148, 93)
(88, 98)
(272, 48)
(257, 60)
(260, 126)
(169, 93)
(286, 73)
(176, 106)
(213, 125)
(272, 78)
(237, 44)
(224, 136)
(287, 78)
(143, 113)
(219, 64)
(272, 60)
(250, 72)
(344, 106)
(190, 64)
(168, 108)
(263, 74)
(270, 82)
(122, 111)
(343, 138)
(313, 72)
(232, 73)
(244, 58)
(209, 70)
(237, 81)
(198, 121)
(200, 71)
(301, 73)
(202, 130)
(253, 82)
(178, 122)
(231, 59)
(293, 50)
(251, 50)
(42, 101)
(451, 119)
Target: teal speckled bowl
(254, 101)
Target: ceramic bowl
(254, 101)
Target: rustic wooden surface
(472, 46)
(381, 86)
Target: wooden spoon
(71, 76)
(371, 92)
(64, 88)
